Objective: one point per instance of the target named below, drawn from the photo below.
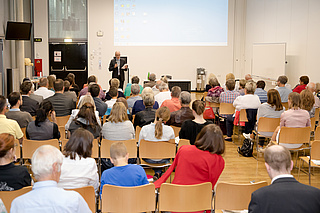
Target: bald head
(248, 77)
(311, 87)
(278, 160)
(117, 54)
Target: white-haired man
(285, 194)
(312, 88)
(164, 94)
(45, 195)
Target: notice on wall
(57, 56)
(57, 59)
(57, 53)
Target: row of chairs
(170, 197)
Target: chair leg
(310, 171)
(301, 162)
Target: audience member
(164, 93)
(248, 77)
(230, 76)
(210, 77)
(135, 90)
(242, 85)
(248, 101)
(73, 86)
(312, 88)
(113, 92)
(7, 125)
(101, 106)
(28, 105)
(152, 81)
(12, 177)
(43, 89)
(135, 80)
(114, 82)
(206, 163)
(271, 109)
(33, 96)
(183, 114)
(74, 112)
(14, 113)
(156, 87)
(67, 92)
(307, 102)
(42, 128)
(304, 80)
(147, 115)
(139, 105)
(285, 194)
(63, 105)
(282, 89)
(174, 103)
(294, 117)
(215, 91)
(122, 174)
(118, 126)
(51, 80)
(191, 128)
(86, 119)
(260, 92)
(45, 195)
(92, 79)
(229, 95)
(78, 168)
(124, 101)
(157, 131)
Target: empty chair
(29, 146)
(88, 195)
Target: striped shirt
(228, 96)
(262, 94)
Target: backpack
(246, 149)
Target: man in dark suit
(117, 67)
(28, 104)
(285, 194)
(101, 106)
(62, 104)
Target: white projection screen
(170, 22)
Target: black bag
(247, 148)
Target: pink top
(173, 104)
(295, 118)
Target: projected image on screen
(170, 22)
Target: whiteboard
(268, 60)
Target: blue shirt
(139, 106)
(47, 197)
(128, 175)
(262, 95)
(284, 93)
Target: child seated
(122, 174)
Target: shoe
(228, 139)
(246, 136)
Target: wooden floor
(239, 169)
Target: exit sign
(37, 39)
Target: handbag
(208, 113)
(246, 149)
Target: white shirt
(249, 101)
(147, 133)
(44, 92)
(162, 96)
(79, 173)
(47, 197)
(74, 114)
(281, 176)
(111, 102)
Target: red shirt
(173, 104)
(299, 88)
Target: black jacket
(144, 117)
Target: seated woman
(78, 168)
(42, 128)
(206, 163)
(271, 109)
(86, 119)
(307, 102)
(294, 117)
(114, 82)
(191, 128)
(215, 91)
(158, 131)
(139, 106)
(124, 101)
(118, 126)
(74, 112)
(12, 177)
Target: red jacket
(299, 88)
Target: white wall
(295, 22)
(180, 62)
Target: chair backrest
(24, 132)
(226, 109)
(17, 146)
(317, 133)
(176, 130)
(157, 150)
(243, 116)
(317, 113)
(130, 144)
(205, 95)
(62, 131)
(88, 194)
(286, 105)
(294, 135)
(268, 124)
(183, 142)
(315, 150)
(29, 146)
(232, 196)
(313, 123)
(128, 199)
(95, 147)
(211, 104)
(185, 198)
(138, 130)
(8, 196)
(62, 120)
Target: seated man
(23, 118)
(135, 90)
(114, 82)
(62, 104)
(135, 80)
(285, 194)
(33, 96)
(260, 92)
(92, 79)
(43, 89)
(152, 81)
(67, 91)
(147, 115)
(164, 93)
(100, 105)
(28, 104)
(139, 106)
(122, 174)
(185, 113)
(113, 92)
(282, 89)
(173, 104)
(45, 195)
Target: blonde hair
(162, 115)
(118, 150)
(87, 99)
(115, 83)
(230, 76)
(307, 100)
(211, 75)
(118, 113)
